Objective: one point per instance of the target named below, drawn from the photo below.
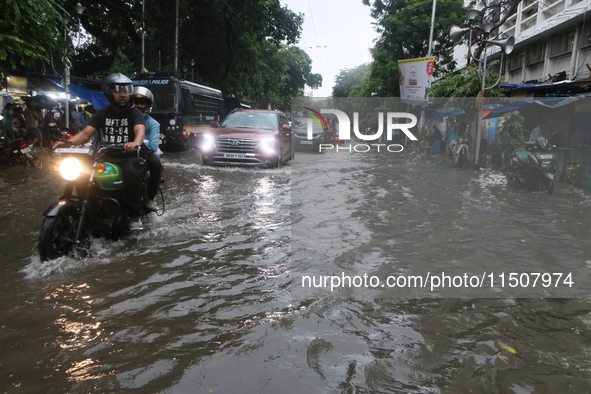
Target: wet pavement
(206, 299)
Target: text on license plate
(235, 155)
(306, 142)
(545, 157)
(26, 150)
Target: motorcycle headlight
(70, 168)
(268, 145)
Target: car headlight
(208, 143)
(172, 122)
(268, 145)
(70, 168)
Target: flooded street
(208, 298)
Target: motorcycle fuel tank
(109, 176)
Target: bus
(183, 108)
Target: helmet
(118, 83)
(140, 92)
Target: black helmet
(140, 92)
(118, 83)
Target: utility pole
(432, 28)
(176, 39)
(143, 33)
(422, 120)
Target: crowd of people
(33, 126)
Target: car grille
(236, 145)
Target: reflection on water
(201, 300)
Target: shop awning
(551, 102)
(97, 99)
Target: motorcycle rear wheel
(548, 185)
(57, 235)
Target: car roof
(266, 111)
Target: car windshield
(300, 124)
(250, 120)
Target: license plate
(73, 150)
(546, 157)
(306, 142)
(26, 150)
(235, 155)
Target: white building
(552, 42)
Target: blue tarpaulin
(552, 102)
(97, 99)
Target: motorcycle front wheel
(57, 235)
(548, 185)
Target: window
(535, 54)
(562, 44)
(515, 61)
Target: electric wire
(316, 36)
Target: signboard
(415, 77)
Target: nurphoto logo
(394, 121)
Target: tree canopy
(243, 48)
(347, 79)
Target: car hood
(241, 133)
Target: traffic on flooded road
(213, 283)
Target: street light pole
(176, 39)
(66, 81)
(506, 47)
(486, 28)
(192, 65)
(432, 28)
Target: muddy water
(203, 300)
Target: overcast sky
(343, 32)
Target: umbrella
(90, 109)
(40, 101)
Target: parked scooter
(460, 155)
(16, 152)
(533, 168)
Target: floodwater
(207, 298)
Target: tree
(511, 136)
(27, 32)
(347, 79)
(404, 26)
(243, 48)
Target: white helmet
(140, 92)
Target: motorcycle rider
(143, 100)
(120, 123)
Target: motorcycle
(93, 203)
(460, 154)
(17, 152)
(533, 168)
(55, 133)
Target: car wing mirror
(215, 124)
